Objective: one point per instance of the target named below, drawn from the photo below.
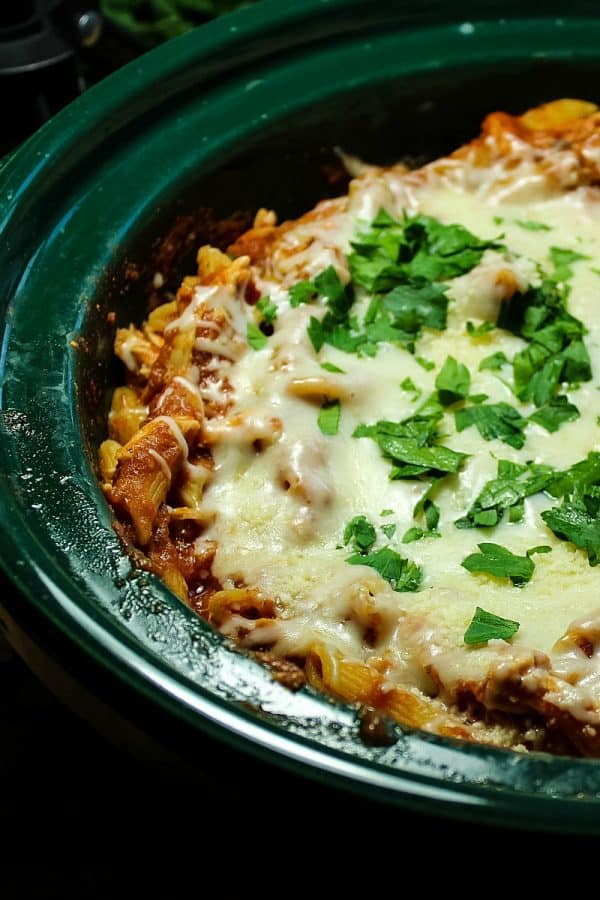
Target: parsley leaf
(430, 410)
(493, 420)
(453, 382)
(577, 520)
(578, 477)
(485, 626)
(410, 444)
(329, 417)
(362, 534)
(561, 260)
(432, 514)
(339, 334)
(402, 574)
(506, 492)
(554, 413)
(330, 367)
(316, 333)
(530, 225)
(335, 327)
(430, 459)
(327, 284)
(267, 309)
(416, 533)
(408, 385)
(500, 562)
(493, 362)
(414, 306)
(413, 534)
(389, 530)
(476, 331)
(303, 292)
(338, 297)
(256, 339)
(556, 352)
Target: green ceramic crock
(238, 114)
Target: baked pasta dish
(365, 444)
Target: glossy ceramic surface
(236, 115)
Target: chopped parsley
(416, 534)
(530, 225)
(411, 445)
(493, 420)
(402, 574)
(476, 331)
(414, 306)
(426, 507)
(303, 292)
(386, 512)
(578, 478)
(330, 367)
(426, 364)
(500, 562)
(256, 339)
(485, 626)
(329, 417)
(414, 454)
(403, 265)
(453, 382)
(345, 333)
(409, 456)
(555, 413)
(328, 285)
(335, 327)
(408, 385)
(578, 520)
(417, 248)
(431, 514)
(267, 309)
(408, 445)
(555, 353)
(493, 362)
(562, 259)
(340, 334)
(361, 533)
(389, 530)
(505, 493)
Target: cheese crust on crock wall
(219, 473)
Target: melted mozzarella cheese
(282, 508)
